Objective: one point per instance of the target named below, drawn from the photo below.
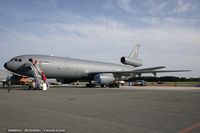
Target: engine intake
(131, 61)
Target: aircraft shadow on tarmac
(14, 88)
(25, 88)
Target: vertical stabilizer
(135, 52)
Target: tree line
(165, 79)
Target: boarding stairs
(36, 72)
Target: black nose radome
(5, 65)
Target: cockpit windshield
(16, 60)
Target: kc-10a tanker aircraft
(70, 69)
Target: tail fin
(135, 52)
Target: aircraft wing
(150, 69)
(153, 70)
(139, 72)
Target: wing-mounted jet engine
(133, 59)
(104, 78)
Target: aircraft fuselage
(69, 69)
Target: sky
(104, 30)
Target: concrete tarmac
(72, 109)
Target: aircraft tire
(102, 85)
(90, 85)
(111, 85)
(117, 85)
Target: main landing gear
(90, 85)
(111, 85)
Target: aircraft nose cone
(5, 65)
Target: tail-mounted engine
(133, 59)
(136, 62)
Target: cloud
(107, 40)
(108, 5)
(166, 40)
(156, 8)
(183, 6)
(125, 5)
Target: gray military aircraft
(70, 69)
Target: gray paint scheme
(64, 68)
(71, 69)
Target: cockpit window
(17, 60)
(31, 60)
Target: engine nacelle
(104, 78)
(131, 61)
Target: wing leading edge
(153, 70)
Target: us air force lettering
(70, 69)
